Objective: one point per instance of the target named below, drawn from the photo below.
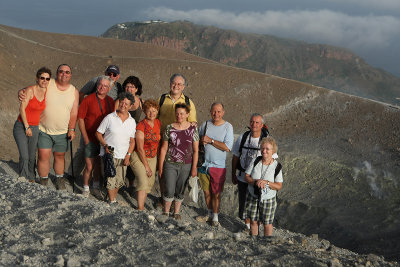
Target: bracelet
(71, 129)
(129, 154)
(26, 128)
(105, 145)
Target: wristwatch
(212, 141)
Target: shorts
(142, 181)
(57, 142)
(118, 180)
(92, 150)
(213, 178)
(266, 211)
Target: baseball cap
(113, 69)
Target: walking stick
(72, 169)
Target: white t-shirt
(247, 154)
(117, 133)
(265, 172)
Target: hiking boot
(177, 216)
(44, 181)
(60, 183)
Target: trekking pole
(72, 169)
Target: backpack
(264, 133)
(162, 99)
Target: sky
(369, 28)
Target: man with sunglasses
(112, 71)
(57, 125)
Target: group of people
(167, 140)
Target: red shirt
(90, 112)
(151, 137)
(33, 110)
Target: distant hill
(323, 65)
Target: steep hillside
(322, 65)
(341, 153)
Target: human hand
(21, 95)
(234, 179)
(71, 135)
(149, 173)
(28, 132)
(127, 160)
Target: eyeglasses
(177, 84)
(64, 71)
(44, 78)
(112, 74)
(130, 86)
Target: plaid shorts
(266, 210)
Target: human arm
(195, 158)
(82, 128)
(102, 142)
(235, 162)
(73, 116)
(217, 144)
(163, 152)
(22, 107)
(192, 115)
(116, 104)
(130, 150)
(22, 94)
(141, 153)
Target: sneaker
(86, 194)
(113, 203)
(44, 181)
(60, 183)
(205, 218)
(177, 216)
(165, 214)
(215, 223)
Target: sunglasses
(64, 71)
(44, 78)
(112, 74)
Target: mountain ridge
(323, 65)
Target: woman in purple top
(178, 158)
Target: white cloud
(321, 26)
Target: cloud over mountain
(322, 26)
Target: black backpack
(162, 99)
(264, 133)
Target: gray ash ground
(40, 226)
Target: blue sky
(370, 28)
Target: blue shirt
(222, 133)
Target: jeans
(27, 146)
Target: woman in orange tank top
(26, 128)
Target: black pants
(242, 188)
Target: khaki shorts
(118, 180)
(57, 142)
(142, 182)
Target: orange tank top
(33, 110)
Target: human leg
(44, 162)
(32, 146)
(23, 148)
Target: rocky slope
(322, 65)
(340, 153)
(43, 227)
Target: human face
(177, 86)
(267, 150)
(124, 105)
(113, 76)
(217, 113)
(131, 88)
(64, 74)
(181, 115)
(151, 113)
(256, 124)
(103, 87)
(43, 80)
